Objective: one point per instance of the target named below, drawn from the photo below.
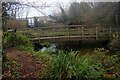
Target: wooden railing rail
(79, 31)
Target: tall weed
(68, 65)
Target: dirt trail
(30, 66)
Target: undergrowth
(63, 65)
(17, 40)
(68, 65)
(11, 68)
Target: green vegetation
(11, 68)
(103, 64)
(110, 62)
(115, 43)
(63, 64)
(17, 40)
(47, 44)
(69, 64)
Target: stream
(82, 48)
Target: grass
(69, 64)
(42, 56)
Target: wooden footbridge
(69, 33)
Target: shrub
(109, 62)
(69, 65)
(46, 44)
(8, 39)
(20, 41)
(100, 54)
(114, 43)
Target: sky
(54, 7)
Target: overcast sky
(54, 7)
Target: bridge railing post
(110, 34)
(96, 33)
(53, 33)
(39, 34)
(82, 33)
(68, 33)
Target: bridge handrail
(71, 30)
